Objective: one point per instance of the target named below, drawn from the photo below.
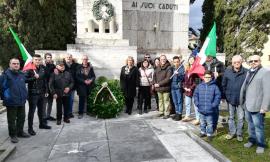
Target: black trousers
(156, 98)
(144, 97)
(129, 104)
(35, 101)
(15, 118)
(62, 105)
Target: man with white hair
(232, 82)
(255, 97)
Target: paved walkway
(125, 139)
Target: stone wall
(157, 26)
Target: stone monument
(111, 30)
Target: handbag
(152, 88)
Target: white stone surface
(156, 30)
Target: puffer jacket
(207, 97)
(13, 88)
(162, 77)
(58, 82)
(177, 80)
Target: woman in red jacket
(189, 86)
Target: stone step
(103, 42)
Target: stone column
(112, 26)
(101, 26)
(90, 26)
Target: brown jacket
(162, 77)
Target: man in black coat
(85, 77)
(71, 67)
(37, 89)
(60, 85)
(48, 100)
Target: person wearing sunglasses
(232, 81)
(255, 98)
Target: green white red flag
(27, 58)
(208, 49)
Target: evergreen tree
(242, 25)
(43, 24)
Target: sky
(195, 16)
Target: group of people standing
(174, 85)
(45, 82)
(171, 83)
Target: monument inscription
(160, 6)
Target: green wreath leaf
(97, 12)
(103, 109)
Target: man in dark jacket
(85, 77)
(71, 67)
(207, 98)
(37, 89)
(232, 82)
(48, 100)
(176, 87)
(162, 86)
(60, 86)
(14, 95)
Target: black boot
(178, 117)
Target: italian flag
(208, 49)
(27, 58)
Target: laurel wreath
(106, 107)
(97, 10)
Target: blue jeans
(206, 124)
(215, 118)
(177, 100)
(188, 103)
(240, 120)
(71, 100)
(255, 128)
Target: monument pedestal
(106, 59)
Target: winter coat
(207, 97)
(49, 69)
(58, 82)
(82, 88)
(231, 83)
(36, 86)
(177, 79)
(13, 89)
(190, 82)
(129, 80)
(162, 77)
(146, 76)
(72, 69)
(257, 92)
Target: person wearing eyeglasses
(14, 94)
(232, 82)
(255, 98)
(85, 77)
(217, 68)
(207, 98)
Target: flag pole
(177, 69)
